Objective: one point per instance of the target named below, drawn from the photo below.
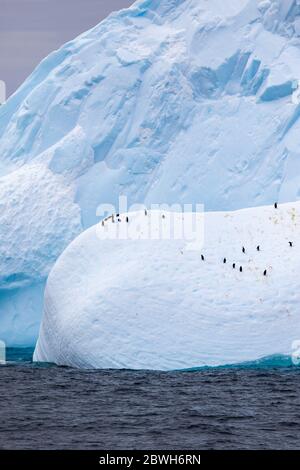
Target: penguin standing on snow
(276, 205)
(127, 219)
(243, 250)
(258, 248)
(241, 269)
(146, 213)
(265, 272)
(233, 266)
(291, 244)
(224, 260)
(202, 257)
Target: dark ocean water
(48, 407)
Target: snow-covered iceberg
(185, 101)
(154, 304)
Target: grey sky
(30, 29)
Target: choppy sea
(254, 406)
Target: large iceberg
(182, 101)
(153, 303)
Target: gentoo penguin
(258, 248)
(291, 243)
(224, 260)
(265, 272)
(241, 269)
(276, 205)
(202, 257)
(233, 266)
(243, 250)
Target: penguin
(291, 244)
(258, 248)
(202, 257)
(241, 269)
(224, 260)
(117, 215)
(146, 213)
(119, 220)
(276, 205)
(243, 250)
(127, 219)
(233, 266)
(163, 216)
(265, 272)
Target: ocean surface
(49, 407)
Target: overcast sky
(30, 29)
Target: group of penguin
(116, 217)
(112, 217)
(244, 251)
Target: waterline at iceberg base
(154, 304)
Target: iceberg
(169, 101)
(151, 303)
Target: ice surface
(153, 304)
(185, 101)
